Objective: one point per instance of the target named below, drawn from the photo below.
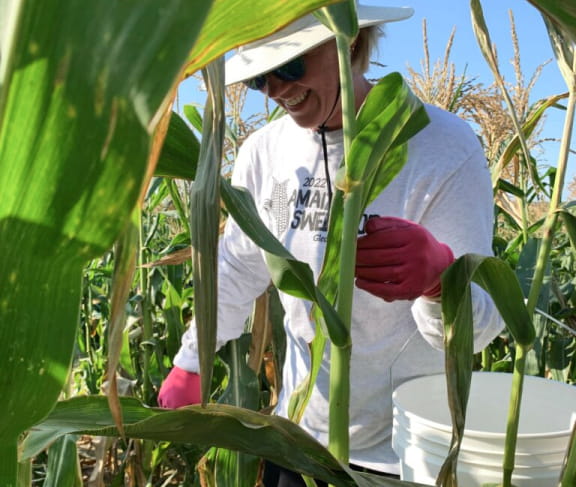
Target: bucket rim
(466, 449)
(485, 434)
(447, 428)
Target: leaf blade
(287, 273)
(272, 437)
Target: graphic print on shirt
(277, 207)
(305, 209)
(309, 205)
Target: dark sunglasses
(291, 71)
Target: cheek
(325, 84)
(322, 69)
(325, 74)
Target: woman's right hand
(180, 388)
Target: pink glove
(399, 259)
(180, 388)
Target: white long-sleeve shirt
(444, 186)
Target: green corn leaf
(559, 357)
(483, 37)
(563, 48)
(498, 279)
(193, 115)
(179, 155)
(205, 191)
(172, 312)
(231, 467)
(525, 268)
(301, 395)
(83, 87)
(230, 24)
(276, 439)
(391, 94)
(378, 153)
(387, 161)
(340, 18)
(243, 386)
(389, 116)
(204, 222)
(458, 349)
(66, 418)
(91, 91)
(363, 479)
(288, 274)
(329, 276)
(76, 108)
(124, 267)
(276, 314)
(514, 145)
(508, 187)
(561, 12)
(272, 437)
(235, 468)
(63, 469)
(568, 476)
(570, 224)
(24, 473)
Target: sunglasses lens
(292, 70)
(256, 83)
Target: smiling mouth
(296, 100)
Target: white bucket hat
(264, 55)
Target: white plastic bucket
(422, 430)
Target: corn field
(105, 191)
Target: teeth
(297, 99)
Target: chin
(306, 123)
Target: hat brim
(299, 37)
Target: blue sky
(403, 47)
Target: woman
(439, 206)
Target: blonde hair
(364, 46)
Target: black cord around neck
(322, 129)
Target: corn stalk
(522, 330)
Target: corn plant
(518, 316)
(67, 213)
(336, 332)
(85, 116)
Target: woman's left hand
(400, 259)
